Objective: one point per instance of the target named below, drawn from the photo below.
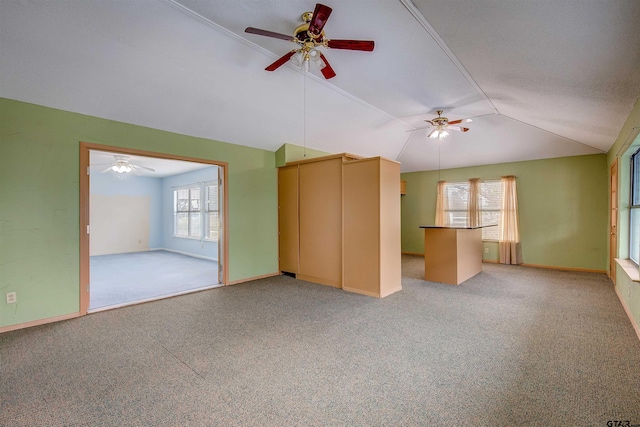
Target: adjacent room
(154, 228)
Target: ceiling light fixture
(121, 168)
(438, 133)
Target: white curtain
(473, 203)
(509, 240)
(442, 204)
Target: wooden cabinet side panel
(469, 254)
(440, 255)
(288, 218)
(362, 227)
(321, 221)
(390, 230)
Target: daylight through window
(489, 202)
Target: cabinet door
(288, 218)
(362, 227)
(321, 222)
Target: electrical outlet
(486, 250)
(11, 297)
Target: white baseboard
(185, 253)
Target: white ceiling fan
(122, 165)
(441, 124)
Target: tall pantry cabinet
(339, 222)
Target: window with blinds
(490, 200)
(187, 212)
(212, 213)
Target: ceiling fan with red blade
(310, 36)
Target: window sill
(187, 237)
(630, 268)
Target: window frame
(634, 205)
(481, 211)
(189, 211)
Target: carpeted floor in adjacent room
(512, 346)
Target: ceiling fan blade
(455, 122)
(266, 33)
(365, 45)
(141, 167)
(319, 19)
(458, 128)
(430, 122)
(106, 170)
(281, 61)
(327, 71)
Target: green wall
(291, 153)
(562, 208)
(39, 203)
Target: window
(634, 209)
(212, 213)
(187, 212)
(190, 219)
(489, 203)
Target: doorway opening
(152, 226)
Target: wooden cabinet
(339, 222)
(372, 259)
(320, 187)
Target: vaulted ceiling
(541, 78)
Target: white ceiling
(549, 78)
(100, 161)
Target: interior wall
(39, 210)
(125, 213)
(291, 153)
(562, 208)
(198, 247)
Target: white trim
(185, 253)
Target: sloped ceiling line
(434, 35)
(552, 133)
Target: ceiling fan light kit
(438, 134)
(310, 36)
(441, 124)
(121, 168)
